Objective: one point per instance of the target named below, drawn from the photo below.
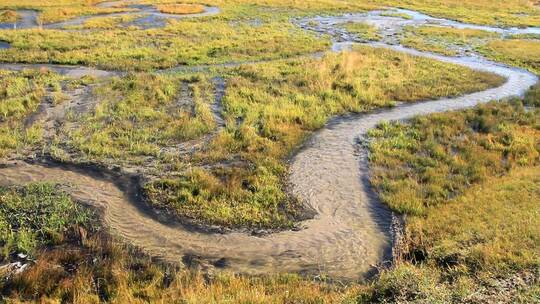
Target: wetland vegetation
(206, 114)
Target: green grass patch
(140, 114)
(517, 52)
(20, 95)
(35, 216)
(469, 183)
(443, 40)
(363, 31)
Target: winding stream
(351, 232)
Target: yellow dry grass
(181, 9)
(8, 16)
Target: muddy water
(351, 231)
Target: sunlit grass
(181, 9)
(443, 40)
(7, 16)
(182, 42)
(363, 30)
(469, 182)
(270, 108)
(518, 52)
(20, 95)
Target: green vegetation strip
(469, 183)
(20, 96)
(36, 216)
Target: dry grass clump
(181, 9)
(8, 16)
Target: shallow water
(389, 26)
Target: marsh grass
(508, 13)
(106, 23)
(471, 247)
(444, 40)
(227, 37)
(447, 153)
(20, 95)
(397, 15)
(364, 31)
(524, 36)
(465, 250)
(59, 14)
(271, 108)
(140, 114)
(75, 261)
(182, 42)
(469, 182)
(518, 52)
(35, 216)
(8, 16)
(181, 9)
